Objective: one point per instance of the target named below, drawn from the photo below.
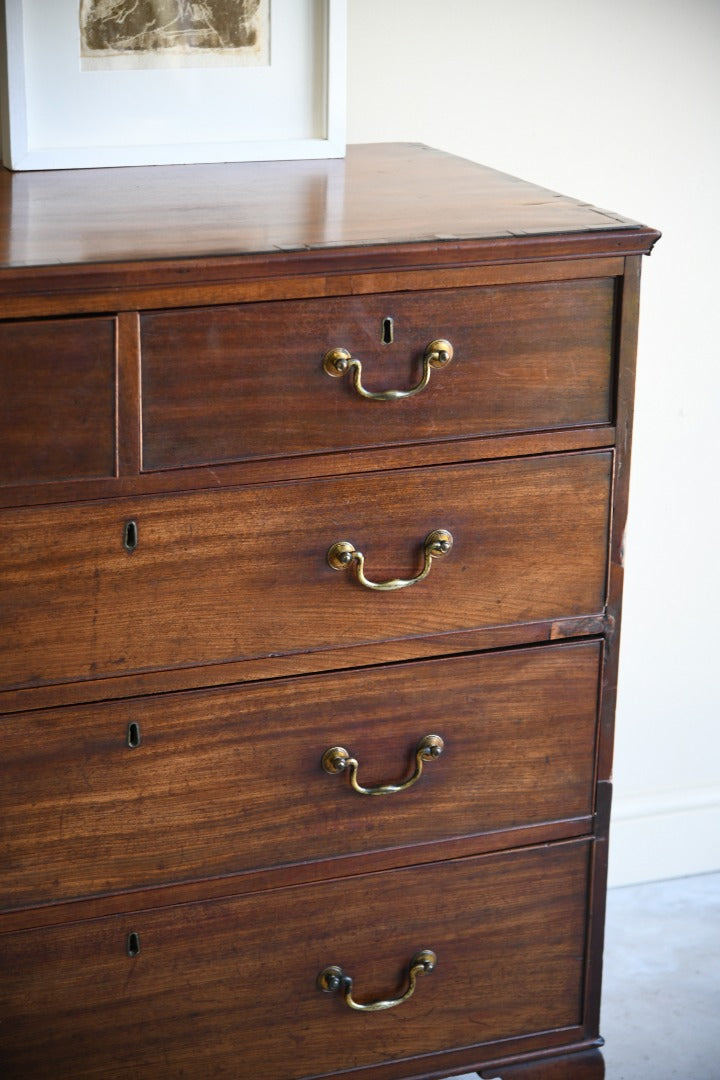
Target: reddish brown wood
(274, 667)
(57, 400)
(228, 575)
(208, 976)
(129, 397)
(598, 894)
(179, 284)
(525, 358)
(227, 769)
(175, 320)
(625, 396)
(376, 197)
(261, 881)
(435, 1066)
(372, 459)
(587, 1065)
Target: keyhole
(134, 738)
(387, 331)
(130, 535)
(133, 944)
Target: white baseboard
(665, 835)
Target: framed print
(93, 83)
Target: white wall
(616, 102)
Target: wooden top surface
(378, 195)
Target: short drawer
(234, 574)
(205, 980)
(57, 400)
(164, 789)
(248, 382)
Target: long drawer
(131, 585)
(244, 382)
(229, 988)
(158, 790)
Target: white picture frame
(57, 116)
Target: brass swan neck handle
(338, 362)
(343, 554)
(337, 760)
(333, 980)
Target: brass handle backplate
(339, 362)
(337, 760)
(333, 980)
(343, 554)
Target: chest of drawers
(313, 479)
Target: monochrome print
(159, 33)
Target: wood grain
(57, 400)
(391, 194)
(129, 395)
(587, 1065)
(231, 575)
(247, 382)
(508, 931)
(178, 283)
(227, 770)
(453, 643)
(268, 470)
(173, 320)
(625, 396)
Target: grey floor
(661, 985)
(661, 996)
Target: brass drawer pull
(333, 980)
(343, 554)
(337, 760)
(337, 362)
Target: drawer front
(239, 383)
(93, 805)
(244, 573)
(57, 400)
(228, 988)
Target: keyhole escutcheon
(132, 944)
(134, 737)
(130, 535)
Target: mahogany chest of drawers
(313, 486)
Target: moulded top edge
(378, 196)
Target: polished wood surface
(163, 284)
(587, 1065)
(57, 400)
(330, 659)
(238, 574)
(201, 755)
(162, 336)
(525, 358)
(387, 194)
(212, 982)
